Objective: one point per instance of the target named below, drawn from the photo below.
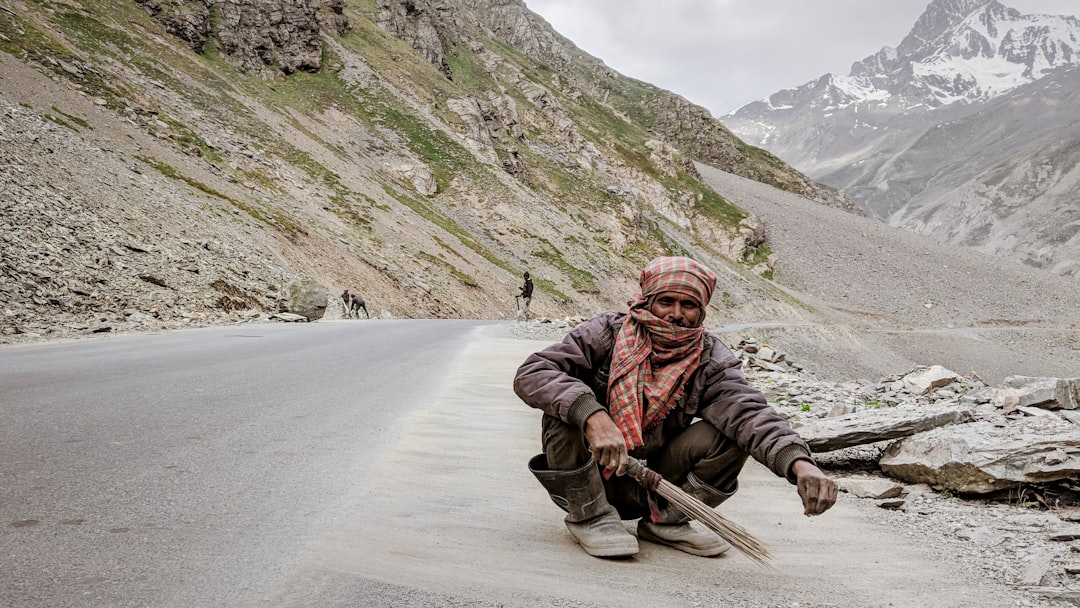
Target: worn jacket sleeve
(740, 412)
(554, 379)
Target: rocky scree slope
(180, 162)
(879, 299)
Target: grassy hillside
(428, 193)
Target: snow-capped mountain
(967, 50)
(869, 133)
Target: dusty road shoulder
(453, 517)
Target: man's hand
(817, 491)
(606, 442)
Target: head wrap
(653, 359)
(681, 275)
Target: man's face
(674, 307)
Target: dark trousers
(699, 449)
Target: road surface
(361, 463)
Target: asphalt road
(362, 463)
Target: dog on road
(354, 304)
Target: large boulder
(984, 457)
(924, 380)
(305, 297)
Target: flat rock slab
(871, 426)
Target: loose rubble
(1024, 465)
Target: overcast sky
(722, 54)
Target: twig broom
(728, 530)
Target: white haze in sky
(722, 54)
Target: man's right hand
(606, 442)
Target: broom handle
(642, 474)
(731, 532)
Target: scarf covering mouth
(653, 358)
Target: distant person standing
(526, 295)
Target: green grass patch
(75, 119)
(392, 58)
(444, 156)
(454, 272)
(23, 39)
(581, 280)
(756, 255)
(61, 122)
(191, 142)
(467, 71)
(290, 226)
(464, 278)
(436, 216)
(669, 245)
(376, 108)
(547, 287)
(448, 248)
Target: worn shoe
(683, 537)
(604, 536)
(593, 522)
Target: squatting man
(652, 383)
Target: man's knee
(564, 444)
(710, 455)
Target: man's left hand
(817, 491)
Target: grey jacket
(569, 380)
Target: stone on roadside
(870, 488)
(871, 426)
(307, 298)
(922, 381)
(1048, 393)
(983, 457)
(288, 317)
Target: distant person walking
(526, 296)
(354, 303)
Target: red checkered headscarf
(653, 358)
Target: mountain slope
(884, 299)
(879, 134)
(958, 53)
(1003, 180)
(197, 156)
(146, 186)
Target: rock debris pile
(989, 470)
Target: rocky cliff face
(182, 162)
(253, 35)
